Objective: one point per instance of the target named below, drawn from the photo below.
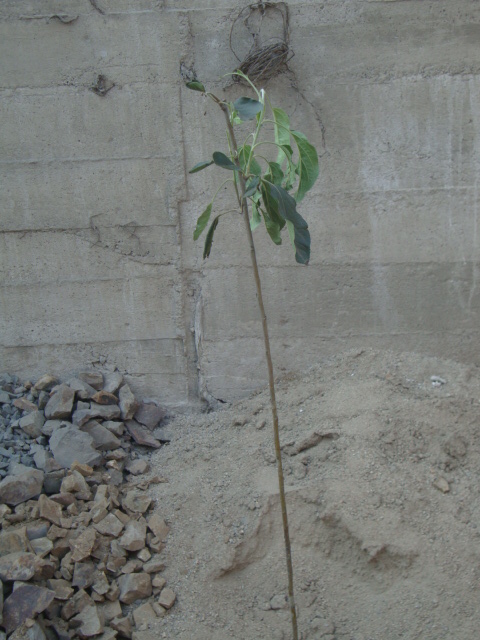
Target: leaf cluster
(272, 188)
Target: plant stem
(271, 379)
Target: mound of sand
(382, 474)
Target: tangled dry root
(264, 62)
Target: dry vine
(264, 62)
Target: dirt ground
(382, 473)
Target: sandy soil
(382, 473)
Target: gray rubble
(79, 552)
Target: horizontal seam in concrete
(467, 187)
(156, 277)
(350, 334)
(87, 344)
(321, 265)
(86, 87)
(79, 160)
(125, 227)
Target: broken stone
(41, 546)
(167, 598)
(12, 542)
(127, 401)
(99, 511)
(114, 591)
(123, 517)
(83, 575)
(83, 545)
(25, 602)
(110, 525)
(150, 414)
(4, 510)
(116, 454)
(111, 610)
(84, 469)
(158, 526)
(123, 626)
(137, 467)
(64, 499)
(132, 566)
(103, 439)
(154, 565)
(49, 510)
(24, 405)
(88, 622)
(108, 634)
(116, 428)
(104, 397)
(45, 382)
(156, 545)
(29, 630)
(136, 502)
(69, 444)
(158, 582)
(112, 381)
(159, 610)
(51, 425)
(144, 555)
(134, 586)
(100, 584)
(83, 390)
(74, 482)
(141, 435)
(105, 411)
(144, 613)
(62, 588)
(53, 481)
(44, 460)
(15, 489)
(37, 530)
(32, 423)
(93, 378)
(133, 538)
(77, 603)
(60, 404)
(115, 563)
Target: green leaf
(307, 166)
(256, 218)
(221, 160)
(287, 210)
(282, 131)
(202, 222)
(243, 156)
(195, 85)
(201, 165)
(275, 173)
(247, 108)
(273, 228)
(300, 239)
(209, 239)
(251, 186)
(271, 204)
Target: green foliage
(196, 86)
(200, 166)
(202, 222)
(260, 181)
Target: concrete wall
(96, 253)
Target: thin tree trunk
(271, 381)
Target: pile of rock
(79, 545)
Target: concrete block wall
(97, 212)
